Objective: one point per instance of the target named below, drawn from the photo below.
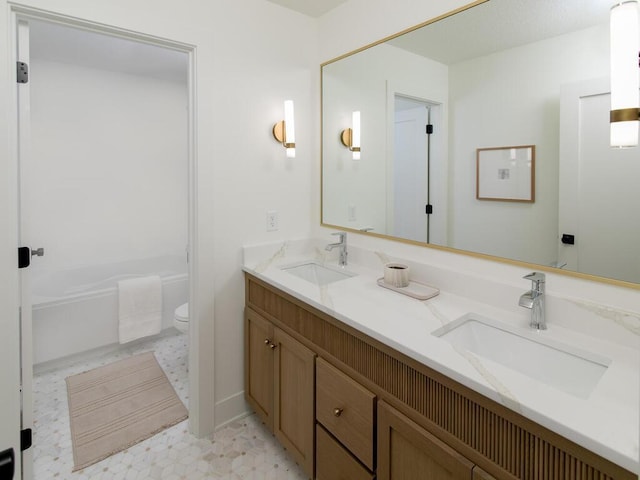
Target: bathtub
(76, 310)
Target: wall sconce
(625, 74)
(285, 130)
(350, 137)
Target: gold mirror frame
(508, 261)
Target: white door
(12, 366)
(26, 370)
(598, 191)
(410, 174)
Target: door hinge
(26, 439)
(428, 209)
(429, 129)
(22, 72)
(7, 463)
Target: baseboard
(230, 409)
(69, 360)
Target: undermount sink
(561, 366)
(318, 274)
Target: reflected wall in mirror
(503, 72)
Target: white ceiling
(501, 24)
(313, 8)
(54, 42)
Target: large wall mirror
(497, 75)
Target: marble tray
(416, 290)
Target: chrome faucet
(342, 244)
(534, 300)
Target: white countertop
(607, 422)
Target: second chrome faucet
(342, 245)
(534, 300)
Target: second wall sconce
(350, 137)
(285, 130)
(625, 74)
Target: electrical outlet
(272, 221)
(352, 212)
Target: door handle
(7, 464)
(25, 254)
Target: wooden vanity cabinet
(279, 386)
(428, 426)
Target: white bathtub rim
(41, 302)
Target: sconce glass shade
(350, 137)
(285, 130)
(625, 74)
(290, 129)
(355, 138)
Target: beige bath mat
(118, 405)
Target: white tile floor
(242, 450)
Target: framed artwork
(506, 174)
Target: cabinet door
(407, 451)
(479, 474)
(333, 462)
(258, 365)
(294, 396)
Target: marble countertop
(607, 422)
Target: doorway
(595, 181)
(416, 165)
(96, 156)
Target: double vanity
(358, 381)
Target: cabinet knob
(338, 411)
(267, 341)
(272, 346)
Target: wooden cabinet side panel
(294, 399)
(406, 451)
(258, 366)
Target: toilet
(181, 318)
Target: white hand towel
(139, 307)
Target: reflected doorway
(413, 160)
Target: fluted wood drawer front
(333, 462)
(346, 409)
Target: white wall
(106, 180)
(513, 98)
(365, 183)
(251, 55)
(378, 19)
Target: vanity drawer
(347, 410)
(333, 462)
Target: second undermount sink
(561, 366)
(318, 274)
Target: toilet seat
(182, 313)
(181, 317)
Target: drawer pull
(272, 346)
(338, 411)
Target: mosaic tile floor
(242, 450)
